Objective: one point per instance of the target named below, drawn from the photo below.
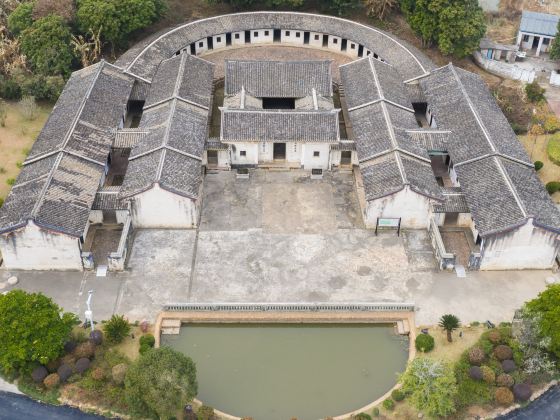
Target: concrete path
(8, 387)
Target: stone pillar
(519, 38)
(539, 46)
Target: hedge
(553, 149)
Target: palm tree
(449, 323)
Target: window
(236, 36)
(297, 34)
(219, 39)
(368, 53)
(525, 38)
(353, 46)
(242, 153)
(256, 34)
(266, 33)
(316, 154)
(546, 41)
(201, 44)
(287, 33)
(316, 37)
(335, 41)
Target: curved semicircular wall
(287, 28)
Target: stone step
(400, 328)
(170, 326)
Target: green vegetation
(534, 92)
(455, 26)
(546, 310)
(21, 18)
(538, 165)
(149, 380)
(552, 186)
(555, 47)
(553, 149)
(33, 331)
(116, 329)
(449, 323)
(147, 342)
(388, 404)
(397, 395)
(424, 343)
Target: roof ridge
(511, 186)
(41, 197)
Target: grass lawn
(536, 148)
(16, 138)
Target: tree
(66, 9)
(449, 323)
(33, 331)
(546, 307)
(431, 385)
(21, 18)
(379, 8)
(534, 92)
(116, 329)
(554, 51)
(160, 383)
(117, 19)
(47, 46)
(456, 26)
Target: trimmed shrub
(118, 373)
(96, 337)
(476, 356)
(82, 365)
(148, 339)
(538, 165)
(522, 392)
(53, 365)
(488, 375)
(508, 366)
(475, 373)
(52, 381)
(362, 416)
(503, 352)
(534, 92)
(424, 343)
(64, 372)
(98, 374)
(505, 380)
(116, 329)
(397, 395)
(552, 186)
(494, 336)
(503, 396)
(375, 412)
(553, 148)
(388, 404)
(86, 349)
(39, 374)
(70, 346)
(205, 413)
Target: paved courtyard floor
(282, 237)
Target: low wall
(502, 69)
(555, 78)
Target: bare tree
(89, 47)
(379, 8)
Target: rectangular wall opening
(228, 39)
(277, 35)
(306, 38)
(279, 103)
(279, 152)
(325, 41)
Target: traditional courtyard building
(537, 31)
(127, 145)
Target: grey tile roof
(454, 201)
(184, 76)
(143, 58)
(270, 126)
(344, 145)
(84, 117)
(431, 139)
(214, 143)
(127, 138)
(278, 79)
(381, 177)
(367, 80)
(539, 23)
(107, 198)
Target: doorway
(279, 152)
(212, 157)
(346, 157)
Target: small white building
(537, 31)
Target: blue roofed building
(537, 31)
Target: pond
(280, 371)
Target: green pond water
(279, 371)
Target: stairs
(403, 327)
(170, 326)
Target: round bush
(538, 165)
(86, 349)
(494, 336)
(503, 396)
(505, 380)
(69, 346)
(98, 374)
(53, 365)
(64, 372)
(119, 372)
(424, 343)
(388, 404)
(508, 366)
(553, 149)
(552, 186)
(476, 356)
(362, 416)
(51, 381)
(503, 352)
(475, 373)
(148, 339)
(82, 365)
(68, 359)
(39, 374)
(397, 395)
(522, 392)
(375, 412)
(205, 413)
(96, 337)
(488, 375)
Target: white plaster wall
(259, 36)
(411, 207)
(238, 38)
(352, 48)
(219, 41)
(96, 216)
(223, 159)
(201, 46)
(334, 43)
(251, 157)
(290, 36)
(293, 152)
(336, 155)
(316, 39)
(34, 248)
(266, 152)
(122, 216)
(464, 220)
(159, 208)
(311, 162)
(527, 247)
